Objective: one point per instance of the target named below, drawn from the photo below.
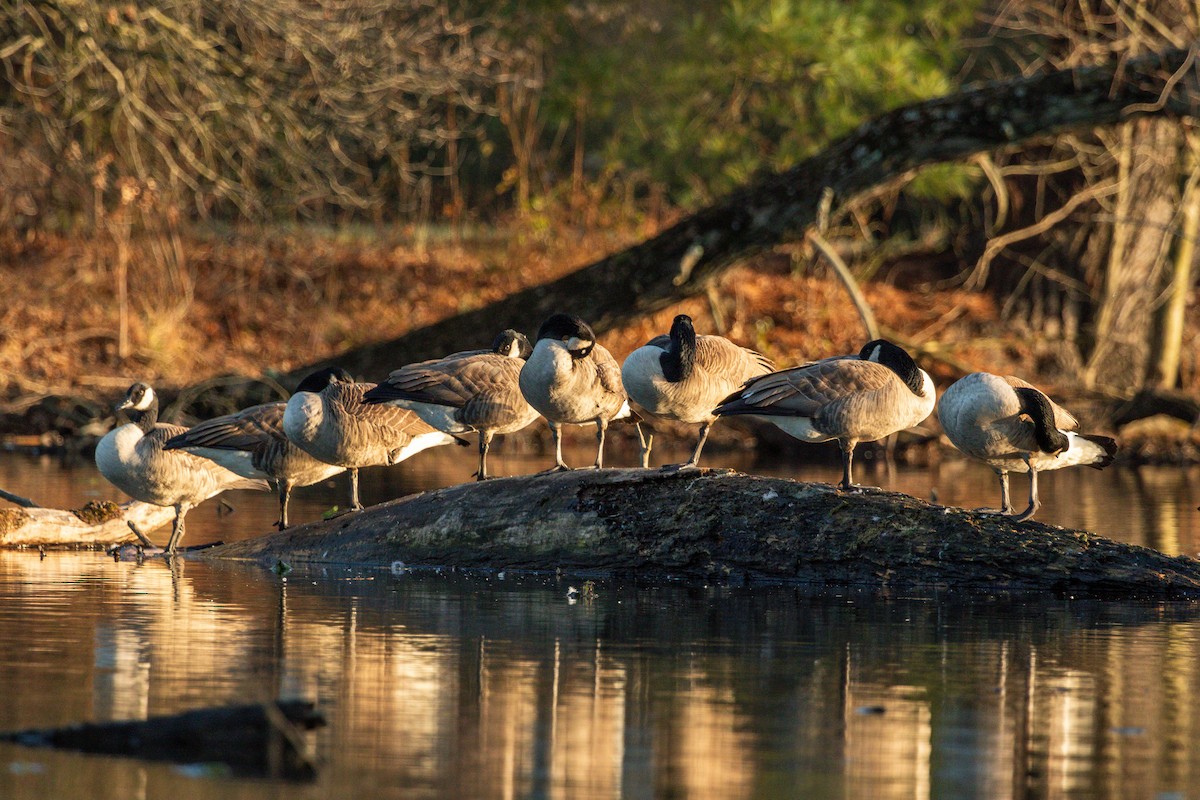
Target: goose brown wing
(1063, 420)
(453, 383)
(247, 430)
(380, 421)
(803, 391)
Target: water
(449, 685)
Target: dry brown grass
(252, 300)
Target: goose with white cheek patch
(683, 376)
(571, 380)
(334, 425)
(472, 391)
(851, 399)
(132, 458)
(252, 444)
(1013, 427)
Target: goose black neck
(1049, 438)
(680, 356)
(146, 418)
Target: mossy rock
(98, 512)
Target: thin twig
(23, 502)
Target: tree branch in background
(780, 207)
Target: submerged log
(708, 525)
(97, 524)
(252, 741)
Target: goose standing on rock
(334, 425)
(849, 398)
(476, 390)
(1013, 427)
(682, 376)
(132, 458)
(570, 379)
(252, 444)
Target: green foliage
(705, 95)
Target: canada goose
(476, 390)
(683, 376)
(252, 444)
(335, 426)
(132, 458)
(849, 398)
(1011, 426)
(570, 379)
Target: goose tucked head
(895, 358)
(572, 331)
(512, 344)
(140, 404)
(317, 381)
(680, 357)
(1037, 406)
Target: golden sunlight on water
(438, 685)
(444, 686)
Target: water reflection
(453, 686)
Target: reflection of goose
(477, 390)
(252, 444)
(570, 379)
(335, 426)
(1011, 426)
(132, 458)
(683, 376)
(849, 398)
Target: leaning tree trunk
(682, 260)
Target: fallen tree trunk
(97, 524)
(682, 260)
(707, 524)
(262, 741)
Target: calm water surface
(462, 686)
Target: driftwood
(780, 207)
(252, 741)
(97, 524)
(705, 525)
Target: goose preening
(252, 444)
(570, 379)
(1013, 427)
(682, 376)
(132, 458)
(849, 398)
(334, 425)
(473, 391)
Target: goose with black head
(1012, 426)
(132, 458)
(571, 379)
(472, 391)
(853, 398)
(682, 376)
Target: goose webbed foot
(556, 468)
(680, 467)
(1027, 514)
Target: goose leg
(847, 465)
(1034, 503)
(181, 510)
(285, 494)
(601, 428)
(559, 464)
(1005, 499)
(355, 505)
(646, 440)
(694, 461)
(485, 442)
